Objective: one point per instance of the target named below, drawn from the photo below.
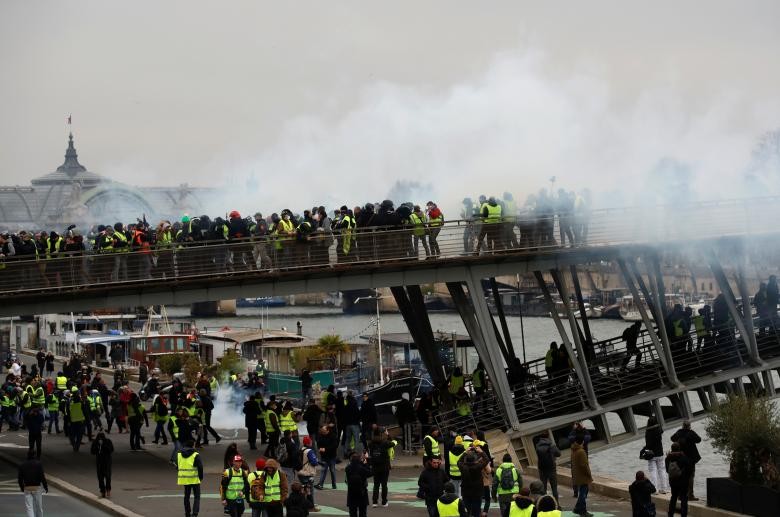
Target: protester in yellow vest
(449, 504)
(190, 475)
(522, 505)
(271, 489)
(234, 487)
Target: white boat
(247, 342)
(630, 312)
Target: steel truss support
(477, 320)
(731, 302)
(579, 367)
(661, 349)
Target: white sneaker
(373, 505)
(385, 505)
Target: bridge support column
(478, 322)
(412, 306)
(582, 371)
(747, 316)
(769, 383)
(704, 398)
(728, 295)
(603, 427)
(660, 349)
(714, 400)
(659, 412)
(740, 384)
(628, 420)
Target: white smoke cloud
(509, 129)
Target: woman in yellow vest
(547, 506)
(418, 220)
(521, 505)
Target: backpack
(306, 469)
(675, 472)
(254, 486)
(507, 480)
(281, 453)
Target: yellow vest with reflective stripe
(494, 213)
(62, 382)
(454, 470)
(419, 224)
(287, 423)
(551, 513)
(516, 511)
(54, 403)
(273, 490)
(515, 487)
(448, 510)
(236, 483)
(434, 445)
(76, 412)
(456, 383)
(269, 428)
(95, 403)
(188, 472)
(175, 427)
(38, 396)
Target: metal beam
(657, 305)
(731, 303)
(746, 312)
(509, 349)
(582, 372)
(583, 316)
(668, 366)
(484, 340)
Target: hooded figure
(449, 500)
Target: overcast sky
(324, 101)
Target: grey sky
(310, 95)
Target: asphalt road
(55, 503)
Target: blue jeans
(328, 465)
(54, 419)
(580, 506)
(159, 432)
(350, 432)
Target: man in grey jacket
(546, 452)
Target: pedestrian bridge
(378, 257)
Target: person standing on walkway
(448, 504)
(160, 416)
(273, 489)
(76, 418)
(507, 483)
(234, 487)
(32, 482)
(546, 452)
(103, 448)
(190, 475)
(472, 488)
(136, 415)
(581, 476)
(251, 410)
(33, 420)
(431, 485)
(357, 473)
(328, 445)
(687, 438)
(680, 469)
(379, 458)
(655, 465)
(641, 491)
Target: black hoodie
(523, 502)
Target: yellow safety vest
(436, 221)
(464, 407)
(236, 483)
(678, 329)
(456, 383)
(448, 510)
(434, 445)
(175, 427)
(188, 472)
(454, 470)
(120, 236)
(551, 513)
(494, 213)
(287, 423)
(515, 488)
(273, 490)
(76, 412)
(39, 397)
(346, 232)
(698, 323)
(95, 403)
(269, 428)
(516, 511)
(477, 378)
(62, 382)
(419, 224)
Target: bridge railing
(459, 239)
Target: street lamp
(376, 297)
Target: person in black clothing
(103, 448)
(49, 364)
(357, 473)
(40, 357)
(31, 479)
(311, 415)
(431, 485)
(328, 444)
(687, 438)
(251, 410)
(404, 414)
(208, 406)
(641, 490)
(297, 505)
(379, 459)
(33, 420)
(368, 419)
(678, 466)
(655, 465)
(449, 497)
(630, 336)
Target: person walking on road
(431, 485)
(136, 415)
(357, 473)
(655, 464)
(33, 419)
(581, 476)
(272, 489)
(103, 448)
(32, 482)
(679, 468)
(234, 487)
(687, 438)
(190, 475)
(546, 452)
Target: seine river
(620, 462)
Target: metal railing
(380, 246)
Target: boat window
(179, 343)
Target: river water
(619, 462)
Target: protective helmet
(235, 215)
(185, 219)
